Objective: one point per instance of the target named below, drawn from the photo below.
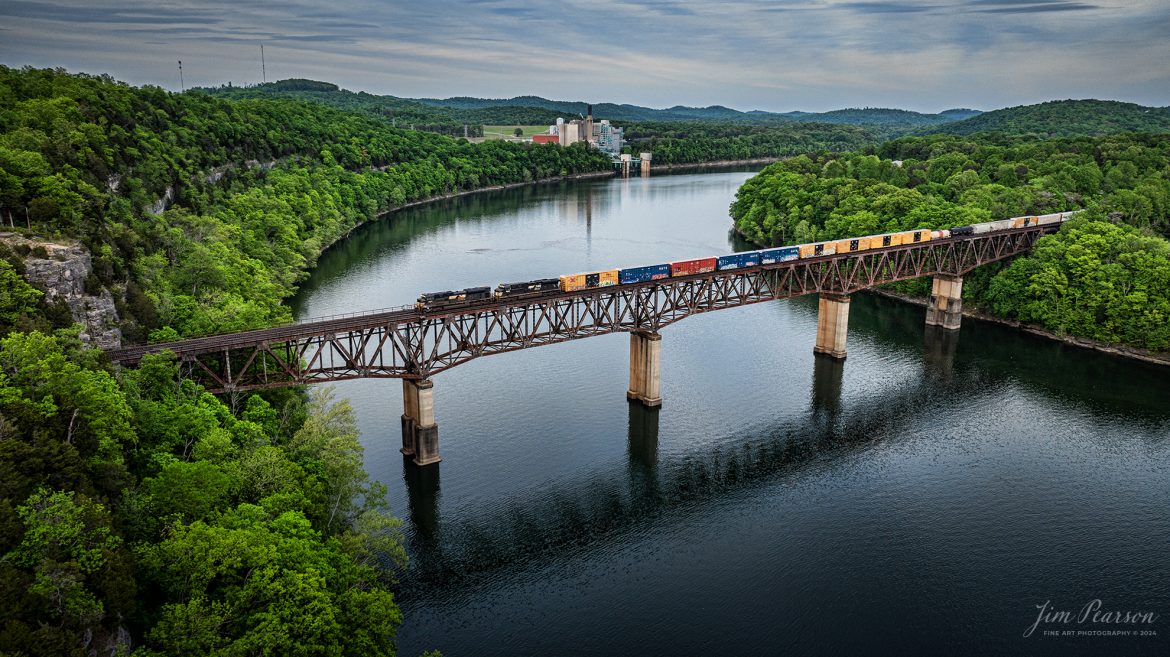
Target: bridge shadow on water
(970, 367)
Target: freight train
(610, 277)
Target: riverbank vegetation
(1106, 275)
(138, 512)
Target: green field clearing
(507, 131)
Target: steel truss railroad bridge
(414, 345)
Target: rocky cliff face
(61, 271)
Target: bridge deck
(408, 343)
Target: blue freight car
(772, 256)
(738, 261)
(642, 274)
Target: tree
(17, 298)
(76, 563)
(253, 583)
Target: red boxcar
(685, 267)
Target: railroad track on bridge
(413, 344)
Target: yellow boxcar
(574, 282)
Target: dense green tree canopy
(1103, 276)
(142, 512)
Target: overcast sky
(926, 55)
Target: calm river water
(928, 495)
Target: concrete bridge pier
(420, 434)
(832, 325)
(645, 157)
(645, 361)
(946, 302)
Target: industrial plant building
(601, 135)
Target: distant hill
(614, 112)
(397, 109)
(1063, 118)
(881, 116)
(1052, 119)
(535, 110)
(625, 112)
(960, 113)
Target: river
(927, 495)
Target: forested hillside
(1105, 276)
(693, 142)
(257, 188)
(1064, 118)
(140, 513)
(401, 112)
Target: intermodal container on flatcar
(737, 261)
(772, 256)
(818, 249)
(852, 244)
(991, 226)
(590, 280)
(913, 236)
(643, 274)
(687, 267)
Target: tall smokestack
(588, 136)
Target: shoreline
(1124, 351)
(542, 181)
(466, 192)
(712, 164)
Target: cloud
(1035, 7)
(788, 54)
(887, 7)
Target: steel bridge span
(414, 345)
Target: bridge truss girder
(419, 345)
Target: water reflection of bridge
(579, 513)
(598, 509)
